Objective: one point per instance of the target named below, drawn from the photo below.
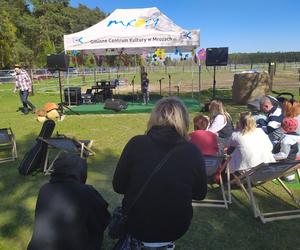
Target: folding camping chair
(215, 167)
(264, 173)
(8, 146)
(65, 144)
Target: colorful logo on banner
(201, 54)
(74, 52)
(135, 23)
(78, 40)
(160, 53)
(186, 35)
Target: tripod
(61, 105)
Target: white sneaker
(289, 178)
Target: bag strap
(156, 169)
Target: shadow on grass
(211, 228)
(19, 193)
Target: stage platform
(133, 107)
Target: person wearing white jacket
(251, 145)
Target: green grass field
(211, 228)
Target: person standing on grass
(145, 88)
(24, 85)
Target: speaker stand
(214, 84)
(61, 105)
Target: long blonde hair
(216, 107)
(247, 122)
(170, 111)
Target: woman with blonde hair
(166, 201)
(252, 145)
(220, 120)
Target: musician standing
(145, 88)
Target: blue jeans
(145, 96)
(24, 99)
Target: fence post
(31, 76)
(271, 71)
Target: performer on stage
(145, 88)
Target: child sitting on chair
(206, 141)
(288, 146)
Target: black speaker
(216, 56)
(58, 62)
(72, 95)
(115, 104)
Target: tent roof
(133, 31)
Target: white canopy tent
(133, 31)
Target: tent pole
(192, 79)
(199, 80)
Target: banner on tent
(135, 30)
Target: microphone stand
(132, 83)
(169, 84)
(160, 85)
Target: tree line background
(32, 29)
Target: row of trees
(263, 57)
(31, 29)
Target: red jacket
(206, 141)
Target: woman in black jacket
(164, 211)
(69, 214)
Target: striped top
(275, 118)
(23, 81)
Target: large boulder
(248, 86)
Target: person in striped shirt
(24, 85)
(273, 110)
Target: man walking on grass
(24, 85)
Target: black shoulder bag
(117, 228)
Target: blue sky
(243, 26)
